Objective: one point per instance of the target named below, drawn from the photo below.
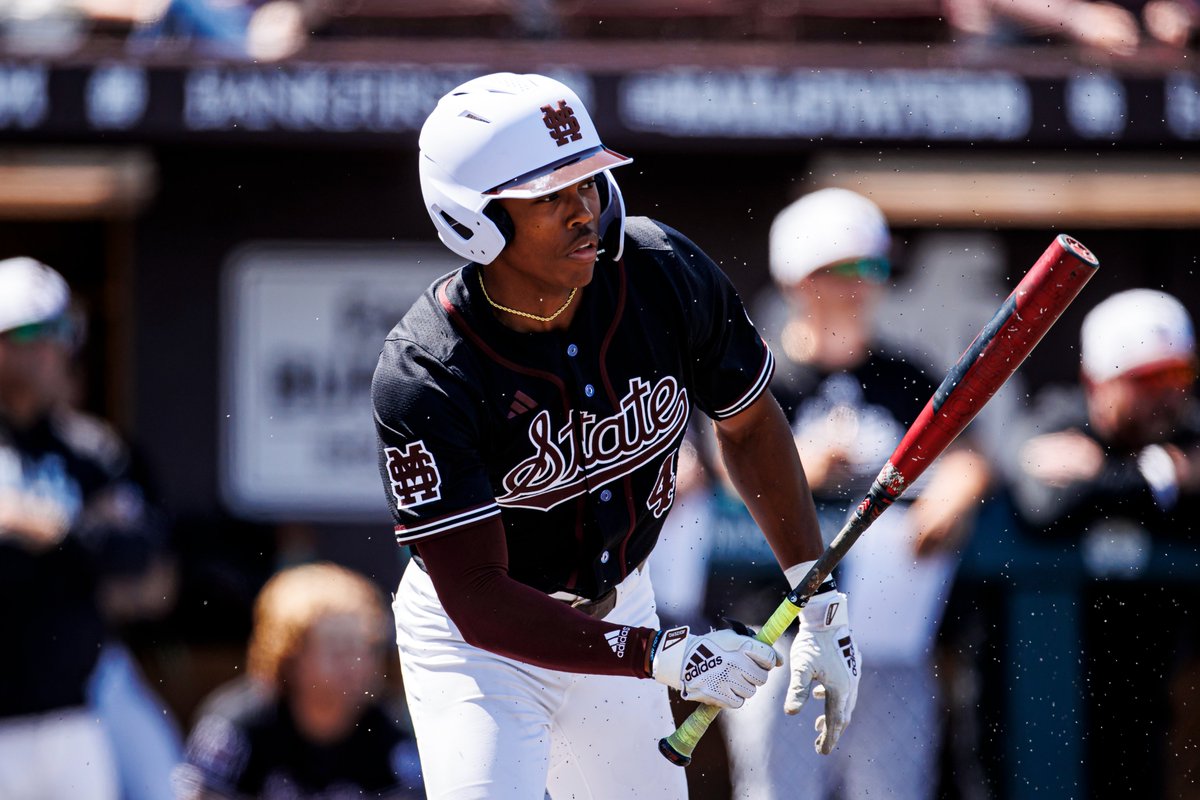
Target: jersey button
(604, 557)
(605, 496)
(572, 350)
(589, 390)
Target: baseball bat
(1015, 329)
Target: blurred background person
(41, 27)
(1117, 28)
(1111, 466)
(81, 553)
(850, 399)
(308, 720)
(681, 557)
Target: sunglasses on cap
(61, 329)
(1174, 376)
(871, 269)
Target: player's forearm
(34, 523)
(550, 633)
(961, 480)
(1119, 489)
(494, 612)
(763, 465)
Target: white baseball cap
(1134, 330)
(824, 228)
(30, 292)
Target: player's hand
(36, 522)
(1187, 466)
(719, 668)
(939, 517)
(825, 658)
(826, 465)
(1105, 25)
(1060, 459)
(1169, 21)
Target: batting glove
(824, 658)
(719, 668)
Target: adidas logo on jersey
(616, 640)
(520, 404)
(701, 661)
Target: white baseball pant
(491, 727)
(63, 753)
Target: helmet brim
(558, 175)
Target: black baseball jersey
(76, 464)
(872, 403)
(1119, 495)
(247, 744)
(570, 436)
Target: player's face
(1141, 408)
(38, 368)
(337, 666)
(554, 246)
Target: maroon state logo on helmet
(563, 125)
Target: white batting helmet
(827, 227)
(507, 135)
(30, 293)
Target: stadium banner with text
(794, 107)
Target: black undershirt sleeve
(469, 570)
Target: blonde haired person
(307, 720)
(1114, 28)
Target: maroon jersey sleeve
(469, 570)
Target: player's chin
(579, 266)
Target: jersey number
(664, 488)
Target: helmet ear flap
(498, 215)
(612, 215)
(604, 188)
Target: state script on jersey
(570, 436)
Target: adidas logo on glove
(848, 654)
(702, 661)
(719, 667)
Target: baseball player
(79, 545)
(850, 397)
(530, 407)
(1112, 468)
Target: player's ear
(498, 215)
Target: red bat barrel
(1039, 299)
(1020, 323)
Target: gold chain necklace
(526, 314)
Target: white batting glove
(719, 668)
(824, 658)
